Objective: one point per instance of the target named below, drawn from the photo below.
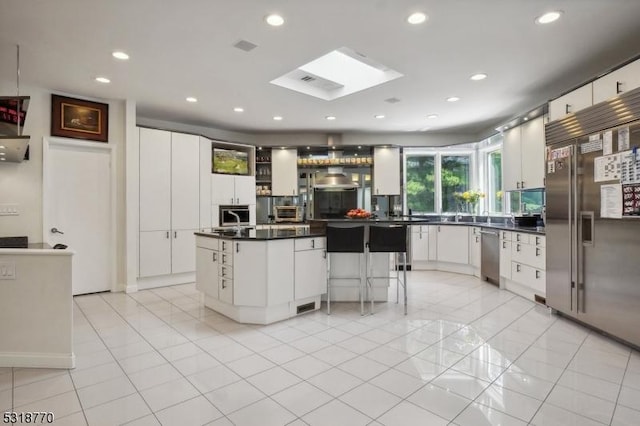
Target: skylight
(338, 73)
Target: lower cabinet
(453, 244)
(310, 268)
(523, 263)
(505, 257)
(167, 252)
(475, 247)
(207, 271)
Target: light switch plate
(9, 210)
(7, 270)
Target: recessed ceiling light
(453, 99)
(549, 17)
(118, 54)
(103, 80)
(359, 146)
(277, 118)
(1, 146)
(274, 20)
(333, 147)
(2, 153)
(526, 118)
(259, 148)
(308, 147)
(379, 116)
(238, 109)
(191, 99)
(478, 77)
(432, 116)
(330, 117)
(282, 147)
(416, 18)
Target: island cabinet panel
(420, 243)
(249, 272)
(207, 271)
(310, 268)
(280, 280)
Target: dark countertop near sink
(321, 223)
(261, 234)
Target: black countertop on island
(261, 234)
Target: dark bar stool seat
(344, 240)
(389, 239)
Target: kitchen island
(261, 276)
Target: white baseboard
(165, 280)
(37, 360)
(132, 288)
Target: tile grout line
(615, 407)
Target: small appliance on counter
(14, 242)
(287, 213)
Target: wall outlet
(7, 270)
(9, 210)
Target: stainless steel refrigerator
(592, 222)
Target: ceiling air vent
(245, 45)
(307, 78)
(392, 100)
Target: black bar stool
(389, 239)
(345, 240)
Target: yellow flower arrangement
(471, 196)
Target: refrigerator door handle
(573, 213)
(585, 239)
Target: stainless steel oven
(228, 216)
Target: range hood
(334, 179)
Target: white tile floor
(467, 354)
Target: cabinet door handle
(215, 258)
(567, 109)
(324, 254)
(517, 268)
(223, 273)
(517, 237)
(522, 185)
(175, 234)
(537, 240)
(537, 252)
(517, 185)
(618, 87)
(237, 200)
(224, 258)
(504, 245)
(167, 234)
(224, 246)
(237, 247)
(517, 247)
(537, 274)
(476, 239)
(232, 201)
(313, 243)
(223, 284)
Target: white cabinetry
(169, 202)
(617, 82)
(205, 183)
(524, 266)
(475, 247)
(233, 190)
(571, 103)
(453, 244)
(419, 244)
(284, 172)
(523, 156)
(310, 267)
(386, 171)
(207, 256)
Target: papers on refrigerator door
(631, 199)
(606, 168)
(611, 201)
(594, 144)
(630, 167)
(607, 143)
(623, 138)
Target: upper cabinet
(233, 190)
(617, 82)
(386, 171)
(571, 103)
(523, 156)
(284, 171)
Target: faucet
(488, 217)
(458, 217)
(512, 218)
(237, 227)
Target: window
(494, 181)
(420, 183)
(527, 202)
(455, 176)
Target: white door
(512, 159)
(284, 172)
(386, 171)
(222, 190)
(155, 180)
(185, 181)
(245, 190)
(155, 253)
(183, 251)
(78, 210)
(532, 154)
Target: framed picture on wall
(80, 119)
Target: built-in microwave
(287, 213)
(228, 216)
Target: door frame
(47, 143)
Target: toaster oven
(287, 214)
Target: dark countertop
(424, 221)
(262, 234)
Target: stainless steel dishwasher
(490, 257)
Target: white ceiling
(185, 48)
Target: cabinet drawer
(208, 243)
(505, 259)
(475, 230)
(529, 276)
(538, 240)
(300, 244)
(520, 237)
(226, 246)
(225, 271)
(225, 259)
(528, 254)
(505, 235)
